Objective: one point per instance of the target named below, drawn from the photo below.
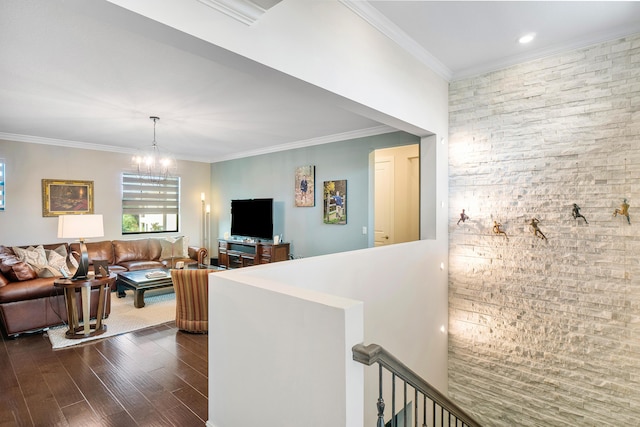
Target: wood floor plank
(99, 397)
(190, 368)
(13, 408)
(60, 383)
(80, 414)
(131, 399)
(183, 416)
(128, 365)
(197, 402)
(42, 406)
(153, 377)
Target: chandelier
(154, 165)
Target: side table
(88, 329)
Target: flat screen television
(252, 218)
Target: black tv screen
(252, 218)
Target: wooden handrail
(374, 353)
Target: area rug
(124, 317)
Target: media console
(237, 254)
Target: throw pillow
(167, 248)
(61, 250)
(16, 270)
(174, 247)
(185, 247)
(48, 271)
(57, 263)
(35, 257)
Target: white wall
(326, 44)
(401, 286)
(28, 164)
(280, 356)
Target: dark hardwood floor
(151, 377)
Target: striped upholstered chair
(191, 288)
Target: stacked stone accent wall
(547, 332)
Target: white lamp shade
(80, 226)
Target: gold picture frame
(60, 197)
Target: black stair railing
(430, 407)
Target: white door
(384, 200)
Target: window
(1, 184)
(149, 205)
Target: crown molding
(244, 11)
(344, 136)
(534, 55)
(83, 145)
(381, 23)
(63, 143)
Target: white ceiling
(73, 75)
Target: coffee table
(140, 281)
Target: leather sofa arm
(199, 254)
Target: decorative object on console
(335, 202)
(533, 226)
(576, 213)
(305, 193)
(463, 217)
(100, 267)
(80, 227)
(66, 197)
(154, 165)
(623, 210)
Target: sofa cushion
(130, 250)
(155, 249)
(97, 250)
(15, 270)
(37, 288)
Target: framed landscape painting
(66, 197)
(335, 202)
(305, 186)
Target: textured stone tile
(547, 332)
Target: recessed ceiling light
(527, 38)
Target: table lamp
(80, 227)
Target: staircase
(429, 407)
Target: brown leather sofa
(139, 254)
(30, 303)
